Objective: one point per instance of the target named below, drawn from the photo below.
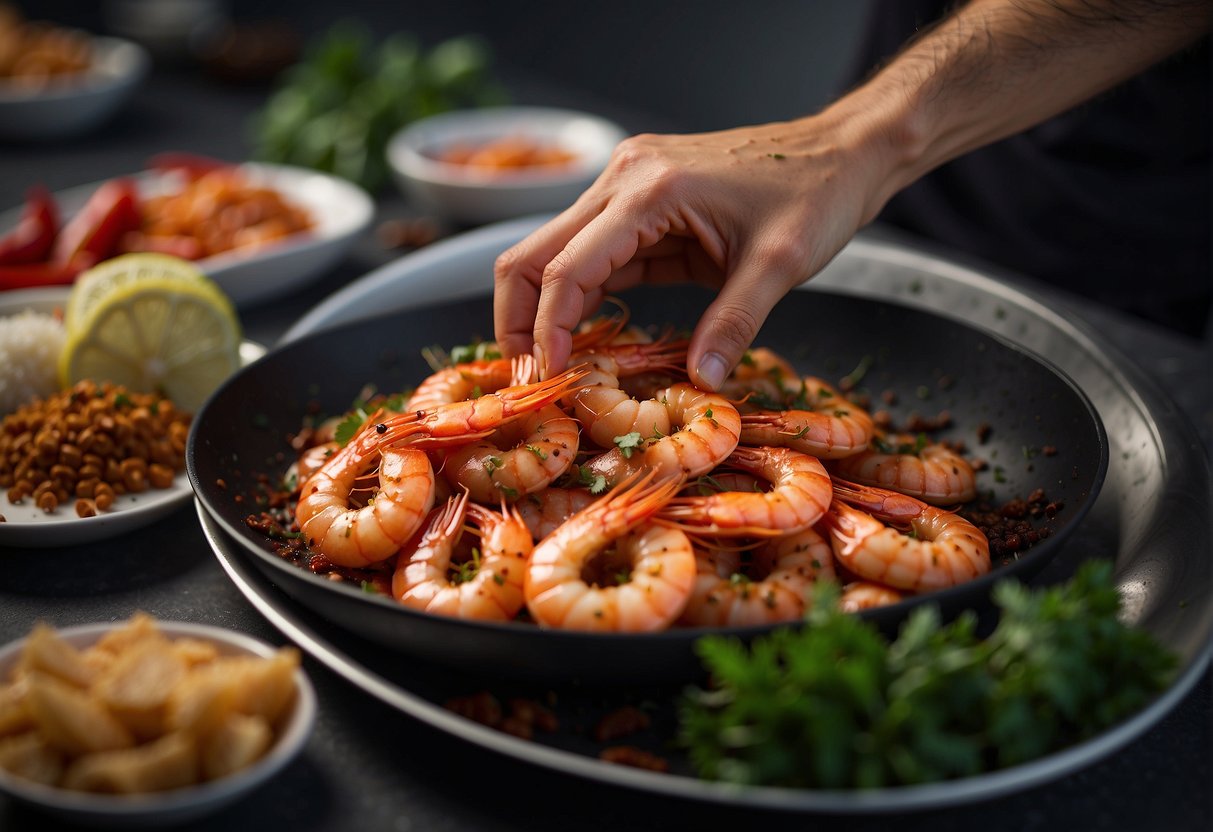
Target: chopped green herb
(836, 705)
(629, 442)
(596, 483)
(461, 573)
(348, 427)
(861, 369)
(537, 451)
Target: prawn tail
(639, 496)
(602, 330)
(527, 397)
(524, 369)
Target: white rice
(30, 344)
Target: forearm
(997, 67)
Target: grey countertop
(369, 767)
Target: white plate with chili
(339, 212)
(26, 525)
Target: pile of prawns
(615, 497)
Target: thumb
(731, 322)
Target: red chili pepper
(34, 235)
(109, 213)
(31, 275)
(192, 165)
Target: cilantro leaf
(629, 442)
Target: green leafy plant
(337, 108)
(836, 705)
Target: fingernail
(537, 351)
(711, 370)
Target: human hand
(751, 212)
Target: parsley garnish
(463, 572)
(596, 483)
(836, 705)
(629, 442)
(348, 427)
(861, 369)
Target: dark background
(700, 65)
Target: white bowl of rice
(31, 339)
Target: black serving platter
(926, 363)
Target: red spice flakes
(630, 755)
(524, 718)
(533, 713)
(480, 707)
(621, 722)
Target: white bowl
(177, 805)
(465, 194)
(71, 106)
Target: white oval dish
(341, 211)
(27, 525)
(178, 805)
(469, 195)
(74, 105)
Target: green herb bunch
(835, 705)
(338, 107)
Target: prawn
(822, 423)
(472, 379)
(764, 374)
(768, 584)
(704, 428)
(930, 471)
(604, 409)
(866, 595)
(642, 585)
(488, 587)
(799, 496)
(459, 423)
(543, 511)
(358, 537)
(520, 458)
(944, 549)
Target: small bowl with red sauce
(483, 165)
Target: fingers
(518, 277)
(731, 322)
(574, 279)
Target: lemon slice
(102, 279)
(155, 325)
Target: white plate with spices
(26, 525)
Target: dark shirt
(1111, 199)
